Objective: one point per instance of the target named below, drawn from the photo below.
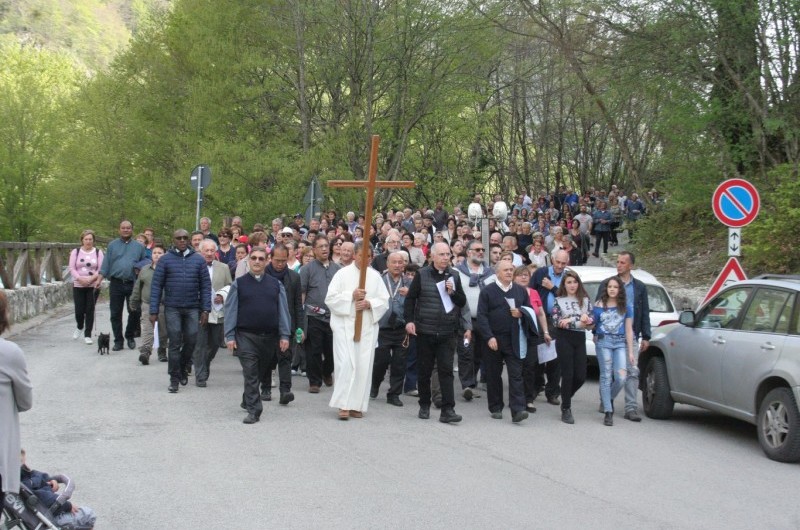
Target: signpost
(735, 203)
(734, 242)
(200, 180)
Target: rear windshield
(656, 296)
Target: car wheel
(779, 426)
(658, 403)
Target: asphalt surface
(143, 458)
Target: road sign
(732, 272)
(203, 174)
(734, 241)
(735, 203)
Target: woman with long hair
(613, 336)
(572, 316)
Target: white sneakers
(87, 340)
(77, 334)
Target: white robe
(352, 361)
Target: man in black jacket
(279, 270)
(432, 312)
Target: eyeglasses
(478, 249)
(258, 258)
(182, 238)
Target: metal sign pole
(199, 191)
(484, 224)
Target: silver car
(739, 355)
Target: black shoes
(286, 398)
(449, 416)
(497, 415)
(530, 408)
(424, 412)
(162, 355)
(131, 344)
(250, 419)
(266, 395)
(608, 419)
(566, 416)
(519, 416)
(173, 388)
(394, 400)
(553, 400)
(144, 358)
(201, 384)
(373, 393)
(468, 394)
(117, 346)
(633, 416)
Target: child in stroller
(42, 503)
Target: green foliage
(770, 242)
(35, 87)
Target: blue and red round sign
(735, 203)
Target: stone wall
(27, 302)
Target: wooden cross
(371, 185)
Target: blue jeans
(612, 358)
(632, 383)
(182, 326)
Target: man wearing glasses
(257, 325)
(182, 277)
(390, 244)
(432, 312)
(475, 275)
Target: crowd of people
(343, 303)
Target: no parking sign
(735, 203)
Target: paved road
(146, 459)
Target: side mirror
(687, 318)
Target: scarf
(275, 274)
(474, 278)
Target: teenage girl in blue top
(613, 336)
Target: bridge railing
(30, 264)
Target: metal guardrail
(24, 264)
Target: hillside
(92, 31)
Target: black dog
(103, 342)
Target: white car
(662, 310)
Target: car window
(723, 311)
(767, 311)
(658, 299)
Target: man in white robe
(353, 360)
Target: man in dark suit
(499, 316)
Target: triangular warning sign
(732, 272)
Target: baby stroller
(26, 511)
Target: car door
(698, 351)
(753, 350)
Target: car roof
(597, 274)
(786, 283)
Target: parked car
(738, 355)
(662, 310)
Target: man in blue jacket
(183, 279)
